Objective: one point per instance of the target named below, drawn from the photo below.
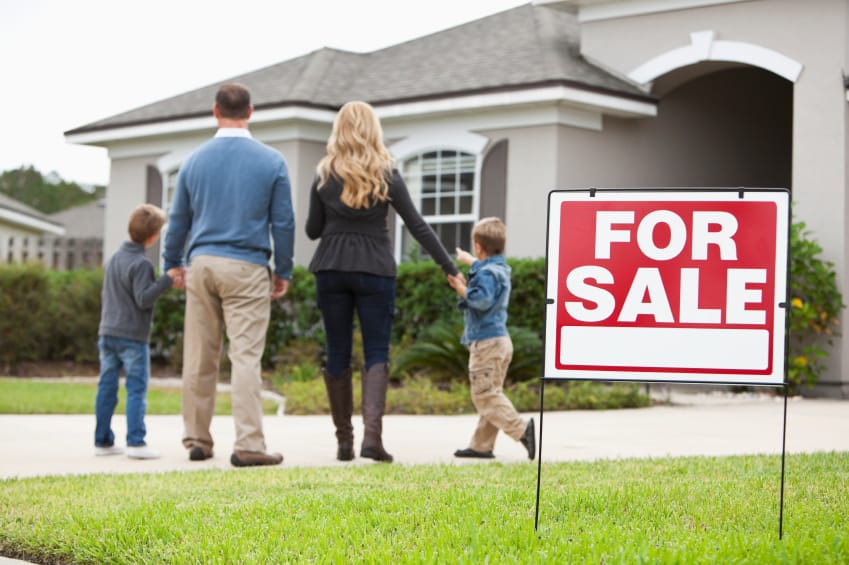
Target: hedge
(54, 316)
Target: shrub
(24, 303)
(51, 316)
(416, 395)
(166, 335)
(442, 357)
(527, 297)
(577, 395)
(74, 315)
(815, 307)
(422, 297)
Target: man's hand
(279, 287)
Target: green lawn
(681, 510)
(21, 396)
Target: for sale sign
(667, 285)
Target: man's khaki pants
(488, 362)
(224, 294)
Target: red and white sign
(667, 285)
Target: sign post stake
(539, 450)
(783, 451)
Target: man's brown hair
(233, 101)
(145, 221)
(491, 235)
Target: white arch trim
(465, 141)
(705, 47)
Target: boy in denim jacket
(484, 305)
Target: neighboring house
(82, 245)
(487, 117)
(22, 232)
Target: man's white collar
(233, 132)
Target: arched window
(443, 186)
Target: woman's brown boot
(375, 384)
(341, 395)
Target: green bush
(440, 355)
(527, 297)
(24, 303)
(52, 316)
(74, 315)
(166, 334)
(416, 395)
(815, 307)
(422, 296)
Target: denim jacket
(487, 295)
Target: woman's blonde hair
(357, 157)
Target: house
(22, 232)
(82, 245)
(487, 117)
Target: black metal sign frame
(784, 304)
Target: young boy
(129, 292)
(484, 305)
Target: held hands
(279, 287)
(178, 277)
(458, 283)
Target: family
(230, 243)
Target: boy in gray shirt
(130, 289)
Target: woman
(354, 267)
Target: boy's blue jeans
(340, 293)
(134, 357)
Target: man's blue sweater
(231, 193)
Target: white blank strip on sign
(666, 348)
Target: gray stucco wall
(301, 158)
(127, 189)
(811, 33)
(531, 173)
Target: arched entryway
(721, 125)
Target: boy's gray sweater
(130, 288)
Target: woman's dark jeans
(340, 293)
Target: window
(442, 185)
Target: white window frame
(461, 142)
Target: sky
(67, 63)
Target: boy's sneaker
(108, 450)
(142, 452)
(529, 440)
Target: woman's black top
(358, 239)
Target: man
(231, 193)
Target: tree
(47, 194)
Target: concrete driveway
(693, 424)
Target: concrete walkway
(693, 424)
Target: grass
(19, 396)
(416, 396)
(680, 510)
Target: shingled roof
(524, 47)
(17, 212)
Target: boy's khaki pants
(488, 362)
(223, 293)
